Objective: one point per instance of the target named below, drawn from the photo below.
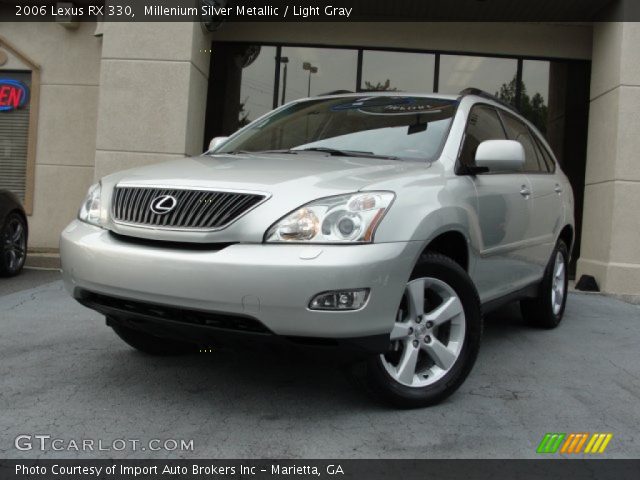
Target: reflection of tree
(243, 116)
(380, 87)
(532, 108)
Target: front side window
(483, 124)
(398, 127)
(518, 131)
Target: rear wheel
(547, 309)
(13, 248)
(152, 345)
(435, 338)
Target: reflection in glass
(256, 91)
(535, 93)
(407, 128)
(328, 70)
(397, 71)
(458, 72)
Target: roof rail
(335, 92)
(481, 93)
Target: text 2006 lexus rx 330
(382, 222)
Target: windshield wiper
(256, 152)
(344, 153)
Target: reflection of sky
(460, 72)
(257, 84)
(535, 75)
(336, 71)
(410, 72)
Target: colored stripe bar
(605, 443)
(551, 442)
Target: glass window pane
(496, 76)
(535, 93)
(545, 156)
(256, 91)
(518, 131)
(483, 124)
(315, 71)
(401, 71)
(408, 128)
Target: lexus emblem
(163, 204)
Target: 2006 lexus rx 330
(383, 222)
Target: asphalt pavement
(65, 375)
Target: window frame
(542, 164)
(458, 168)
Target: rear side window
(545, 156)
(518, 131)
(483, 124)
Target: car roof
(386, 94)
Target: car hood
(289, 180)
(311, 175)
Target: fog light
(340, 300)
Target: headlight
(90, 209)
(349, 218)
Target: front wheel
(435, 338)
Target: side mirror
(500, 155)
(216, 142)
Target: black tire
(152, 345)
(539, 311)
(381, 382)
(13, 246)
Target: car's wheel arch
(567, 235)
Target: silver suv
(387, 223)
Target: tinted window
(546, 156)
(397, 71)
(483, 124)
(494, 75)
(518, 131)
(316, 71)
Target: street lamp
(311, 69)
(284, 60)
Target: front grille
(134, 309)
(194, 209)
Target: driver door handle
(558, 188)
(524, 191)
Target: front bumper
(270, 283)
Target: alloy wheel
(558, 284)
(428, 334)
(15, 244)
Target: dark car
(13, 234)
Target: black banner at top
(215, 12)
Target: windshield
(407, 128)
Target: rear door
(503, 212)
(547, 212)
